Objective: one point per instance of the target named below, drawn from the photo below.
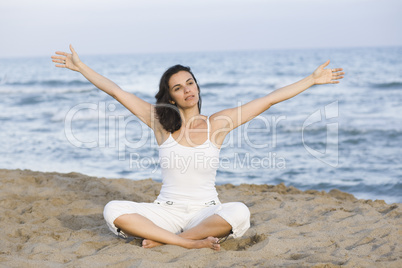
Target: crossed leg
(214, 226)
(204, 235)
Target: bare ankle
(209, 242)
(147, 243)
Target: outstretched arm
(142, 109)
(318, 77)
(229, 119)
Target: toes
(215, 243)
(145, 243)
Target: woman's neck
(190, 117)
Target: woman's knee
(237, 209)
(237, 215)
(115, 209)
(110, 212)
(243, 211)
(110, 208)
(125, 219)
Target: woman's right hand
(67, 60)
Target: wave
(391, 131)
(368, 190)
(48, 83)
(217, 85)
(379, 133)
(47, 90)
(389, 85)
(378, 188)
(209, 94)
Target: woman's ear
(172, 102)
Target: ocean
(346, 136)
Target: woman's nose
(186, 89)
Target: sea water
(346, 136)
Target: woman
(187, 211)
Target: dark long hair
(168, 114)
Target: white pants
(178, 217)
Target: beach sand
(55, 220)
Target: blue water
(346, 136)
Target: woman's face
(183, 90)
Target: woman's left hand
(327, 76)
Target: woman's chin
(190, 103)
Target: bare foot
(146, 243)
(209, 242)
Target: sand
(55, 220)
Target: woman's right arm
(140, 108)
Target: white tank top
(188, 173)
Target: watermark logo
(259, 133)
(330, 153)
(202, 161)
(112, 129)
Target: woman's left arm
(235, 117)
(318, 77)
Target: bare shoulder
(222, 119)
(221, 124)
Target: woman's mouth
(189, 97)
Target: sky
(38, 28)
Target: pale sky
(38, 28)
